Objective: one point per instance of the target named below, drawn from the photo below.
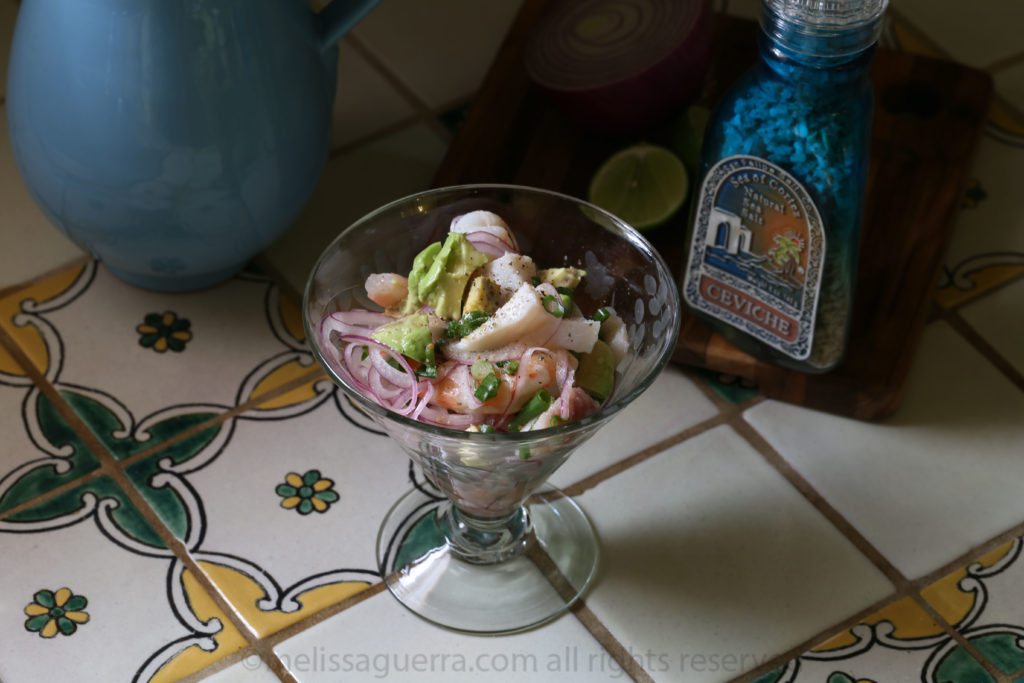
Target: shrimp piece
(456, 390)
(536, 371)
(387, 289)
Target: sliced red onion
(621, 65)
(489, 244)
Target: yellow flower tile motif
(51, 612)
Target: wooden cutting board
(928, 117)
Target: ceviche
(477, 337)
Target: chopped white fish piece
(521, 319)
(510, 271)
(575, 334)
(613, 332)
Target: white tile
(933, 481)
(29, 244)
(251, 669)
(93, 343)
(378, 639)
(354, 184)
(713, 563)
(365, 101)
(1010, 83)
(999, 317)
(441, 49)
(132, 600)
(978, 35)
(673, 403)
(991, 233)
(236, 484)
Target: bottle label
(757, 254)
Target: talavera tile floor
(147, 533)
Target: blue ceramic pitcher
(174, 139)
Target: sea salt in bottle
(772, 258)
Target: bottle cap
(823, 27)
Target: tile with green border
(899, 643)
(91, 571)
(982, 600)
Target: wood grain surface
(928, 117)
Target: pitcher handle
(339, 17)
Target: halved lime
(644, 185)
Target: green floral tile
(90, 572)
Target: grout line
(1005, 62)
(967, 645)
(223, 417)
(593, 480)
(758, 442)
(956, 307)
(818, 639)
(316, 618)
(79, 262)
(609, 642)
(966, 558)
(423, 110)
(981, 345)
(378, 134)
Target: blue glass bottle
(773, 244)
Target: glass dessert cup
(483, 545)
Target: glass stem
(486, 540)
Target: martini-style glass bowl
(483, 545)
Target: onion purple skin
(647, 98)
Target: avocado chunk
(563, 277)
(409, 336)
(596, 373)
(483, 295)
(420, 266)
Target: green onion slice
(488, 388)
(537, 404)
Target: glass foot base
(424, 570)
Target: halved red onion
(621, 65)
(489, 244)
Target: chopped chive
(535, 281)
(524, 453)
(537, 404)
(554, 305)
(487, 429)
(481, 369)
(556, 420)
(488, 388)
(366, 353)
(509, 366)
(428, 371)
(602, 314)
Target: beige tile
(378, 639)
(29, 244)
(713, 563)
(978, 35)
(999, 317)
(673, 403)
(8, 18)
(441, 49)
(354, 184)
(987, 244)
(1010, 82)
(934, 480)
(365, 101)
(251, 669)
